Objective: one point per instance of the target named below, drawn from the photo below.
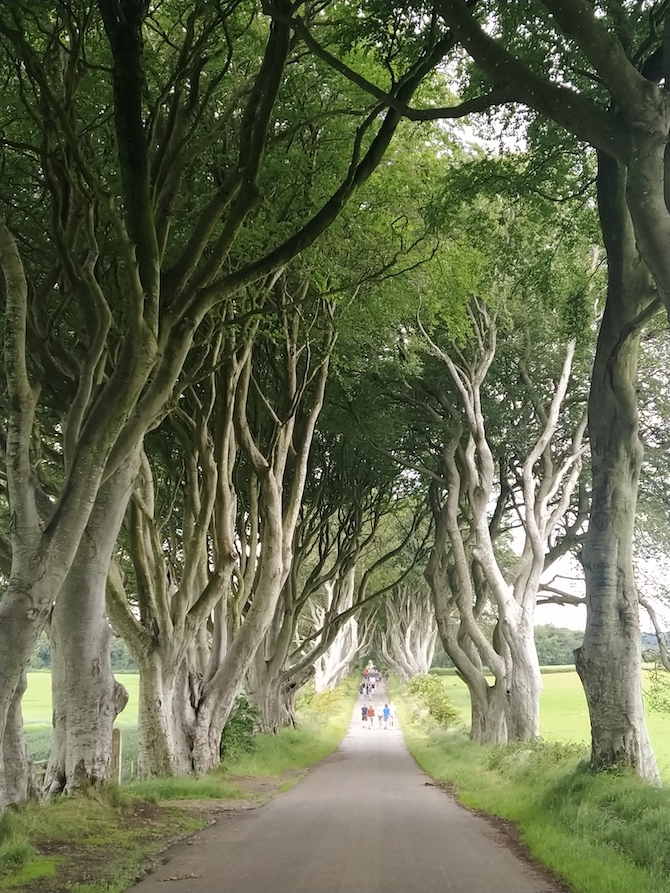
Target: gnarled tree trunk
(609, 661)
(85, 696)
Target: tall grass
(602, 832)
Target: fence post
(116, 755)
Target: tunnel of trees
(328, 329)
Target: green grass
(564, 715)
(36, 704)
(602, 832)
(210, 787)
(323, 720)
(101, 842)
(106, 840)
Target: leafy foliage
(658, 689)
(239, 734)
(555, 645)
(429, 691)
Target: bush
(239, 734)
(430, 692)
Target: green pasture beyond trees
(564, 715)
(563, 712)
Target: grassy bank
(564, 716)
(603, 833)
(102, 842)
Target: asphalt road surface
(366, 820)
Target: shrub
(239, 734)
(431, 693)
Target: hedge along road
(366, 820)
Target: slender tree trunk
(609, 661)
(524, 686)
(86, 697)
(275, 699)
(20, 776)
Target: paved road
(367, 820)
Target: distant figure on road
(394, 715)
(387, 715)
(371, 716)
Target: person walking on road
(364, 715)
(386, 712)
(371, 716)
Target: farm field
(563, 713)
(37, 700)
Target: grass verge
(601, 832)
(103, 842)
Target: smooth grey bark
(124, 368)
(630, 130)
(457, 602)
(21, 782)
(336, 661)
(407, 640)
(464, 546)
(86, 698)
(609, 660)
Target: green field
(563, 713)
(37, 700)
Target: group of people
(386, 715)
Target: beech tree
(406, 633)
(622, 109)
(146, 132)
(606, 84)
(465, 567)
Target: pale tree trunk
(85, 696)
(335, 664)
(548, 482)
(267, 677)
(331, 667)
(407, 640)
(157, 752)
(609, 661)
(281, 475)
(524, 685)
(275, 699)
(45, 537)
(455, 581)
(166, 633)
(632, 137)
(458, 602)
(20, 776)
